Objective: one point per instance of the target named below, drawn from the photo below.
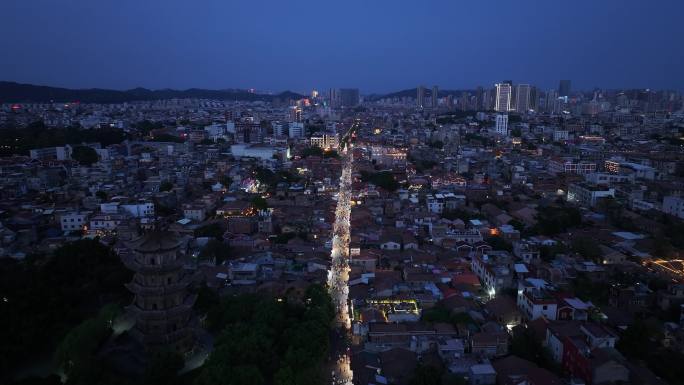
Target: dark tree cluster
(317, 151)
(168, 138)
(18, 141)
(213, 230)
(44, 297)
(217, 250)
(525, 345)
(641, 342)
(440, 314)
(382, 179)
(455, 117)
(84, 155)
(76, 356)
(271, 179)
(554, 220)
(264, 340)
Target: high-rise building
(534, 98)
(487, 99)
(325, 140)
(502, 124)
(279, 128)
(479, 98)
(522, 98)
(564, 88)
(420, 96)
(344, 97)
(334, 98)
(162, 306)
(503, 97)
(450, 101)
(295, 130)
(551, 100)
(435, 96)
(295, 114)
(349, 97)
(464, 101)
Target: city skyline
(384, 48)
(341, 193)
(325, 92)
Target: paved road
(338, 278)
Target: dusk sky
(375, 45)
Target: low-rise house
(416, 336)
(518, 371)
(527, 251)
(390, 242)
(196, 212)
(74, 221)
(573, 309)
(495, 270)
(106, 222)
(633, 298)
(398, 365)
(489, 344)
(503, 310)
(673, 296)
(594, 366)
(243, 273)
(556, 333)
(588, 195)
(450, 348)
(482, 374)
(535, 300)
(611, 256)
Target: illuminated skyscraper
(503, 97)
(502, 124)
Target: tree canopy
(552, 220)
(264, 340)
(382, 179)
(37, 135)
(84, 155)
(49, 295)
(215, 249)
(271, 179)
(74, 355)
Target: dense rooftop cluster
(539, 243)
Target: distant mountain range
(11, 92)
(412, 92)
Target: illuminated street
(674, 267)
(338, 275)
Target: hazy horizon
(307, 92)
(378, 47)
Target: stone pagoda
(162, 307)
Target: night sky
(375, 45)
